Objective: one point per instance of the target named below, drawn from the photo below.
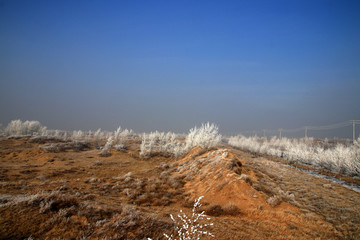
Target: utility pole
(306, 128)
(353, 132)
(354, 135)
(280, 132)
(264, 133)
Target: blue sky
(171, 65)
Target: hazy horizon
(169, 66)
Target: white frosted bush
(206, 136)
(85, 136)
(2, 132)
(98, 135)
(59, 134)
(159, 142)
(27, 128)
(121, 137)
(339, 158)
(106, 149)
(191, 227)
(77, 135)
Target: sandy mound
(223, 180)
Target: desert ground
(50, 189)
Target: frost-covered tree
(121, 137)
(78, 135)
(159, 142)
(98, 134)
(106, 149)
(206, 136)
(337, 158)
(27, 128)
(2, 133)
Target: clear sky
(171, 65)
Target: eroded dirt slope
(313, 195)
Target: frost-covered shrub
(160, 142)
(120, 137)
(336, 157)
(106, 149)
(206, 136)
(98, 135)
(77, 135)
(2, 133)
(27, 128)
(191, 227)
(168, 143)
(57, 134)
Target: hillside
(69, 191)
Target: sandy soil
(70, 192)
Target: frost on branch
(336, 157)
(106, 149)
(193, 227)
(169, 143)
(160, 143)
(121, 137)
(206, 136)
(27, 128)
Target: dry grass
(77, 196)
(60, 212)
(273, 201)
(56, 147)
(217, 210)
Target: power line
(293, 130)
(306, 128)
(332, 126)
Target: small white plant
(77, 135)
(1, 130)
(121, 136)
(98, 135)
(106, 149)
(191, 228)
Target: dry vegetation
(51, 188)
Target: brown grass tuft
(273, 201)
(214, 210)
(231, 209)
